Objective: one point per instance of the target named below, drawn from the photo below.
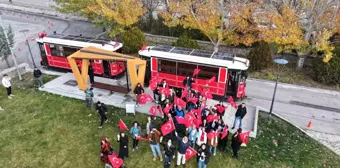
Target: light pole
(10, 48)
(28, 44)
(278, 62)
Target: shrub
(133, 39)
(185, 41)
(260, 56)
(328, 73)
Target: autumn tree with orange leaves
(221, 21)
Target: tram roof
(80, 41)
(196, 56)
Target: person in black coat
(236, 143)
(188, 82)
(123, 145)
(38, 76)
(169, 150)
(91, 73)
(240, 113)
(138, 90)
(202, 156)
(156, 95)
(101, 109)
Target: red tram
(175, 63)
(56, 48)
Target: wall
(12, 72)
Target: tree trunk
(6, 59)
(216, 47)
(300, 62)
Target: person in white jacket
(202, 137)
(6, 82)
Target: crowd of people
(204, 134)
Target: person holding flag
(156, 94)
(236, 142)
(123, 145)
(154, 139)
(187, 82)
(193, 133)
(135, 131)
(183, 145)
(202, 137)
(203, 156)
(138, 90)
(150, 124)
(213, 141)
(169, 151)
(179, 111)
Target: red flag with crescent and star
(198, 122)
(212, 135)
(193, 100)
(220, 109)
(167, 127)
(224, 132)
(232, 102)
(153, 85)
(190, 116)
(167, 109)
(190, 152)
(144, 98)
(180, 102)
(185, 92)
(115, 161)
(206, 93)
(196, 87)
(180, 120)
(211, 118)
(142, 138)
(153, 110)
(196, 72)
(212, 79)
(165, 91)
(244, 136)
(122, 125)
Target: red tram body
(56, 48)
(175, 63)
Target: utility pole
(9, 46)
(29, 47)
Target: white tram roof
(80, 41)
(196, 56)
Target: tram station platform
(66, 85)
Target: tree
(185, 41)
(151, 6)
(317, 21)
(133, 40)
(260, 57)
(221, 21)
(118, 16)
(5, 49)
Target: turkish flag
(196, 111)
(206, 93)
(153, 110)
(232, 103)
(190, 153)
(144, 98)
(167, 109)
(165, 91)
(212, 135)
(142, 138)
(190, 116)
(184, 92)
(180, 120)
(220, 108)
(115, 161)
(224, 132)
(122, 125)
(153, 85)
(213, 79)
(211, 118)
(244, 136)
(193, 100)
(180, 102)
(167, 127)
(196, 72)
(198, 122)
(196, 87)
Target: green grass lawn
(38, 129)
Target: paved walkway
(66, 85)
(329, 140)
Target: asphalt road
(37, 24)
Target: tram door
(44, 61)
(232, 83)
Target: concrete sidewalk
(65, 85)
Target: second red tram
(56, 48)
(175, 63)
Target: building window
(207, 72)
(166, 66)
(185, 69)
(57, 50)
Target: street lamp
(28, 44)
(278, 62)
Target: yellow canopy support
(88, 53)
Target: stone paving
(329, 140)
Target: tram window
(207, 72)
(69, 51)
(185, 69)
(42, 50)
(168, 67)
(57, 50)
